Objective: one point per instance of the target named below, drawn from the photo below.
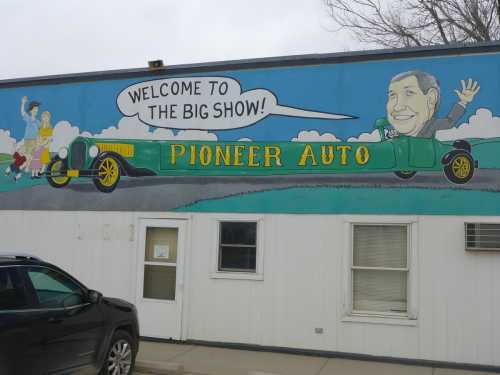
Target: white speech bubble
(205, 103)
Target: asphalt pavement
(170, 193)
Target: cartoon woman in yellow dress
(45, 135)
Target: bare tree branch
(406, 23)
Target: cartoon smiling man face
(412, 101)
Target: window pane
(53, 289)
(380, 246)
(159, 282)
(382, 291)
(12, 296)
(238, 233)
(161, 245)
(235, 258)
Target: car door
(74, 327)
(21, 327)
(422, 153)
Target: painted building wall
(301, 145)
(303, 286)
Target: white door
(160, 277)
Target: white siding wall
(303, 287)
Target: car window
(53, 289)
(12, 293)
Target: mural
(196, 142)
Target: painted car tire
(405, 175)
(108, 170)
(57, 165)
(460, 169)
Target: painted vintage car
(105, 161)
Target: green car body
(105, 160)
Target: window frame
(408, 318)
(258, 274)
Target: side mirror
(93, 296)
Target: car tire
(121, 354)
(460, 169)
(57, 165)
(405, 175)
(108, 169)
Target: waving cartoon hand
(468, 92)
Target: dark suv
(50, 323)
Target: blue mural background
(359, 89)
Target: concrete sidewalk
(164, 358)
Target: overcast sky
(71, 36)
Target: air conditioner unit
(482, 236)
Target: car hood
(118, 303)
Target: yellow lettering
(251, 156)
(225, 155)
(192, 154)
(174, 154)
(268, 155)
(205, 155)
(362, 155)
(238, 149)
(343, 156)
(327, 159)
(307, 153)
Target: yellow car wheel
(108, 173)
(460, 169)
(57, 173)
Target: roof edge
(266, 62)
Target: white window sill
(237, 276)
(389, 320)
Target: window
(160, 263)
(53, 289)
(237, 246)
(12, 295)
(379, 269)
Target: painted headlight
(63, 153)
(93, 151)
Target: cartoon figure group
(32, 155)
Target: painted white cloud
(244, 140)
(481, 125)
(195, 135)
(314, 136)
(128, 128)
(132, 128)
(374, 136)
(63, 135)
(7, 143)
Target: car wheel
(460, 169)
(405, 174)
(120, 357)
(108, 173)
(56, 175)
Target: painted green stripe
(341, 200)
